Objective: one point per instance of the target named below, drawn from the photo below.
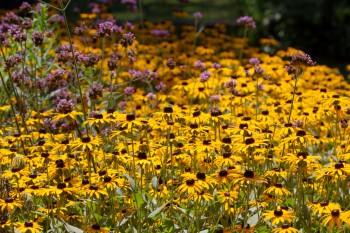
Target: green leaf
(132, 181)
(138, 198)
(156, 211)
(72, 229)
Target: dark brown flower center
(249, 174)
(142, 155)
(278, 213)
(339, 166)
(86, 139)
(201, 176)
(301, 133)
(28, 224)
(95, 227)
(190, 182)
(226, 140)
(93, 187)
(223, 173)
(8, 200)
(249, 141)
(98, 116)
(226, 155)
(168, 109)
(130, 117)
(107, 179)
(278, 185)
(335, 213)
(61, 185)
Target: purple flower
(160, 33)
(258, 70)
(80, 30)
(231, 84)
(107, 28)
(171, 63)
(38, 38)
(254, 61)
(151, 96)
(197, 15)
(129, 2)
(65, 106)
(205, 75)
(199, 64)
(129, 90)
(95, 90)
(297, 123)
(215, 98)
(160, 86)
(127, 39)
(246, 21)
(302, 59)
(216, 65)
(129, 26)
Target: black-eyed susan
(189, 186)
(86, 142)
(227, 197)
(96, 228)
(9, 204)
(285, 228)
(278, 190)
(278, 216)
(29, 227)
(200, 196)
(336, 217)
(250, 177)
(93, 191)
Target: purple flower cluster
(199, 64)
(95, 91)
(161, 34)
(170, 63)
(107, 28)
(129, 90)
(205, 75)
(197, 15)
(38, 38)
(80, 30)
(246, 21)
(88, 59)
(64, 53)
(127, 39)
(297, 123)
(131, 3)
(12, 61)
(65, 106)
(302, 59)
(254, 61)
(160, 86)
(55, 80)
(16, 32)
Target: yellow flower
(10, 204)
(278, 216)
(277, 190)
(285, 228)
(190, 186)
(29, 227)
(86, 142)
(336, 217)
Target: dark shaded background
(319, 27)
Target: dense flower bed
(179, 130)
